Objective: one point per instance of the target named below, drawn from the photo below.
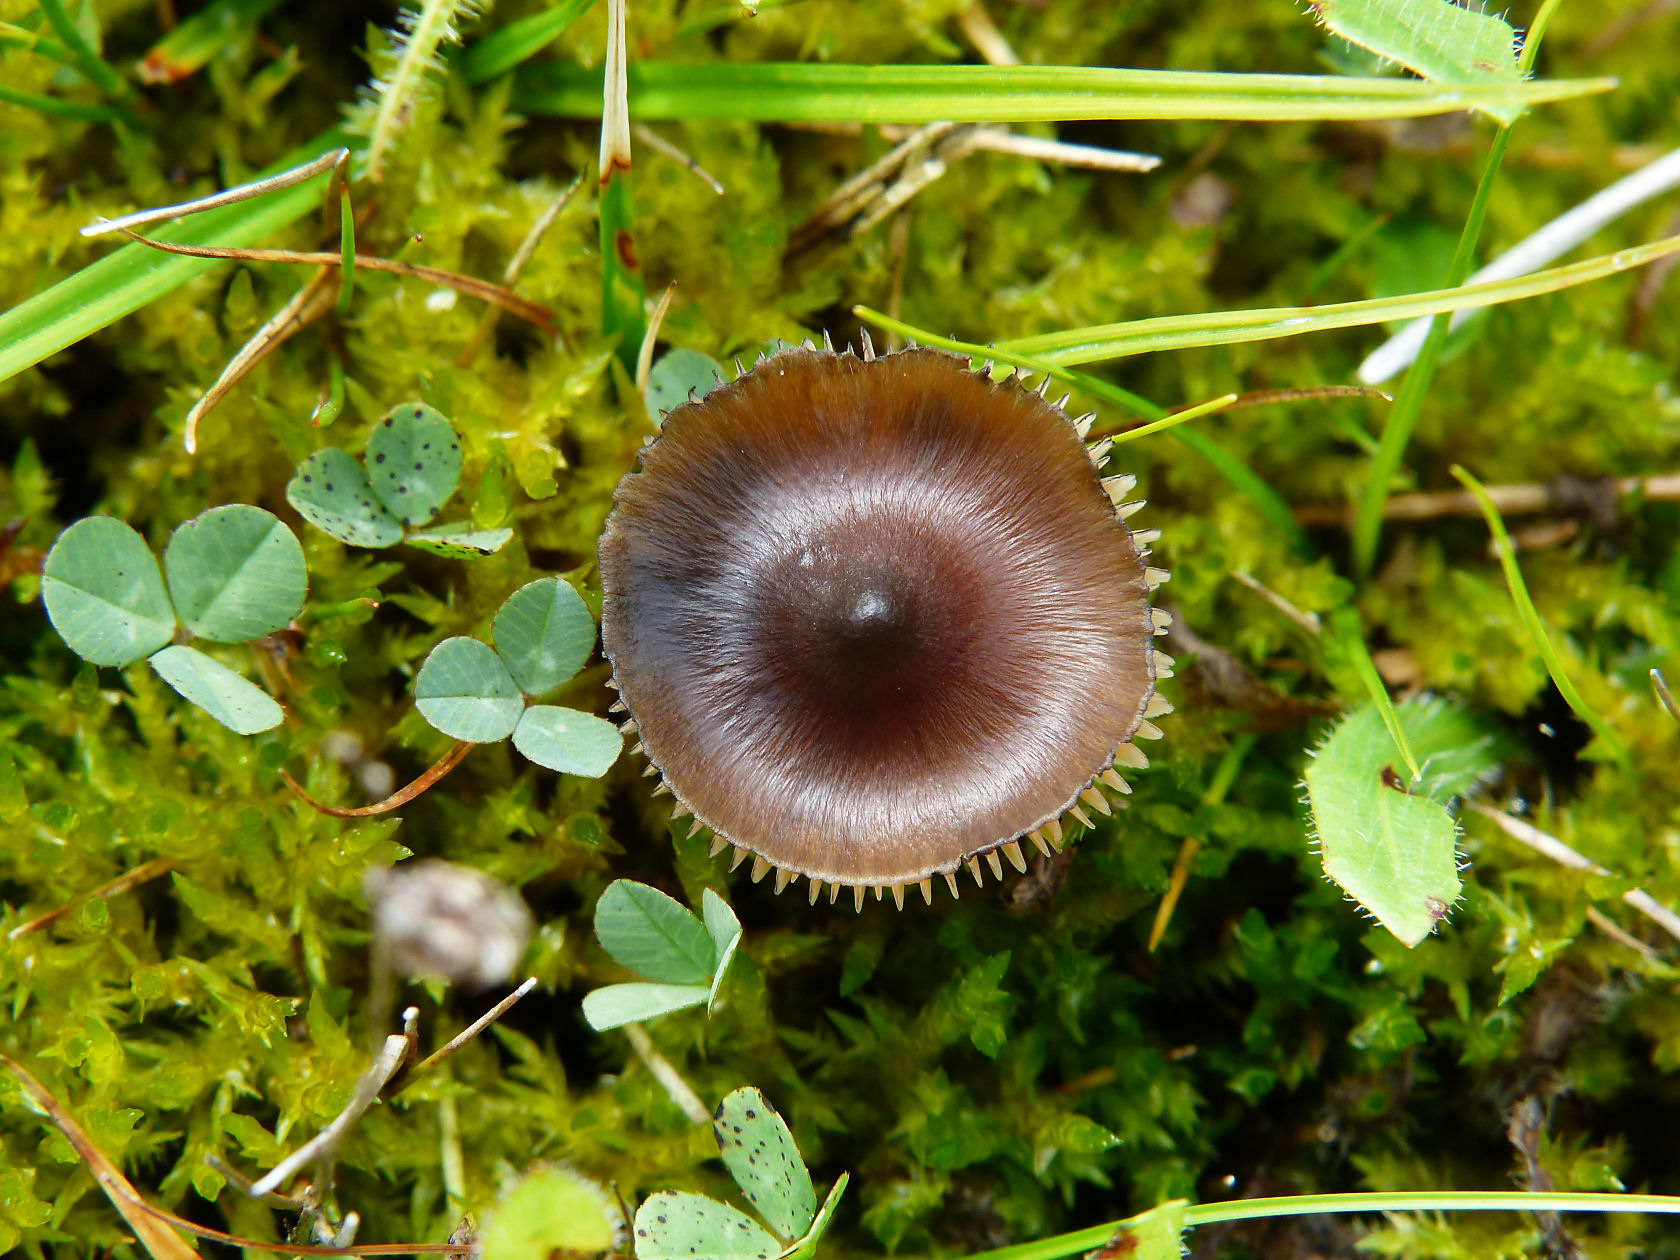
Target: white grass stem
(1547, 245)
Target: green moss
(987, 1071)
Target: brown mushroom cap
(872, 617)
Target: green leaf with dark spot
(761, 1155)
(652, 934)
(675, 375)
(544, 634)
(672, 1225)
(465, 691)
(331, 492)
(413, 462)
(235, 573)
(807, 1246)
(459, 543)
(235, 702)
(104, 593)
(1392, 850)
(566, 741)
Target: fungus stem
(1531, 618)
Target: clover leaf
(684, 954)
(762, 1157)
(411, 469)
(234, 573)
(474, 692)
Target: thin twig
(397, 799)
(121, 884)
(227, 197)
(515, 269)
(472, 286)
(644, 358)
(983, 33)
(390, 1057)
(1308, 621)
(679, 1090)
(1175, 887)
(304, 307)
(1604, 923)
(1561, 853)
(466, 1034)
(1660, 685)
(659, 144)
(1518, 499)
(1306, 393)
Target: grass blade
(1531, 618)
(809, 92)
(516, 42)
(60, 108)
(622, 292)
(98, 71)
(133, 276)
(1180, 332)
(1402, 417)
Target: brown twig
(121, 884)
(303, 308)
(516, 268)
(1520, 499)
(1306, 393)
(511, 302)
(397, 799)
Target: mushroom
(876, 617)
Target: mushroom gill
(875, 617)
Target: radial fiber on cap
(873, 617)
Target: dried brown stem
(121, 884)
(515, 269)
(1523, 498)
(304, 307)
(1306, 393)
(511, 302)
(397, 799)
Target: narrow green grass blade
(99, 72)
(1180, 332)
(1352, 636)
(133, 276)
(1531, 618)
(60, 108)
(13, 36)
(516, 42)
(1402, 416)
(1267, 501)
(623, 308)
(811, 92)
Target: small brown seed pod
(876, 617)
